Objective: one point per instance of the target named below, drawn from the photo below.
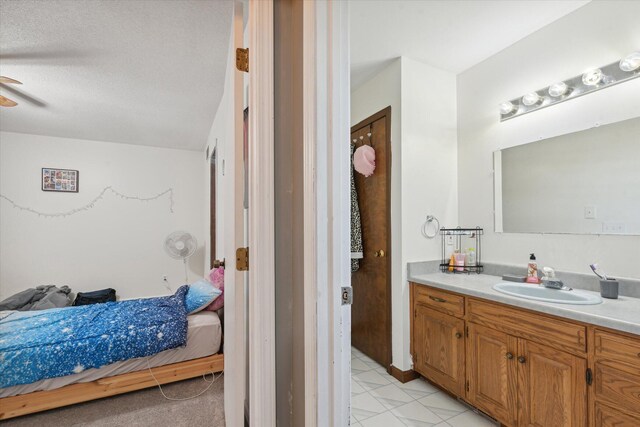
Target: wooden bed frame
(38, 401)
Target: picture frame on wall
(60, 180)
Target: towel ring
(430, 219)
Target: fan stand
(186, 273)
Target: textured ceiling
(450, 35)
(141, 72)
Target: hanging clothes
(364, 160)
(356, 229)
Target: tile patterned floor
(379, 400)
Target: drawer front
(437, 299)
(609, 417)
(557, 333)
(621, 388)
(616, 347)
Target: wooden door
(492, 367)
(552, 389)
(371, 309)
(439, 348)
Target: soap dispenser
(532, 270)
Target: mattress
(204, 336)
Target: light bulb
(506, 107)
(592, 77)
(531, 99)
(558, 89)
(631, 62)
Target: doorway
(371, 280)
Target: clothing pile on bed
(39, 298)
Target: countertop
(622, 314)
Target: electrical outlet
(450, 240)
(589, 212)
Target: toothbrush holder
(609, 288)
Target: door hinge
(347, 295)
(466, 331)
(467, 386)
(589, 376)
(242, 259)
(242, 59)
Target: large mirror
(586, 182)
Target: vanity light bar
(592, 80)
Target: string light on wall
(92, 203)
(626, 69)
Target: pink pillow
(216, 277)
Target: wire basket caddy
(458, 234)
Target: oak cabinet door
(439, 348)
(609, 417)
(492, 368)
(552, 390)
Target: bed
(200, 355)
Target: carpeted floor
(140, 408)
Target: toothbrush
(594, 268)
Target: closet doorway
(371, 282)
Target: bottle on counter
(459, 261)
(532, 270)
(471, 257)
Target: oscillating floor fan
(181, 245)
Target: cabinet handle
(458, 335)
(509, 355)
(436, 299)
(522, 359)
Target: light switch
(589, 212)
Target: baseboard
(403, 376)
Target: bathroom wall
(424, 175)
(594, 35)
(118, 243)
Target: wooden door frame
(235, 314)
(213, 205)
(261, 239)
(386, 114)
(259, 315)
(326, 104)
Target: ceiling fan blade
(6, 102)
(4, 79)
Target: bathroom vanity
(523, 362)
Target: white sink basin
(540, 293)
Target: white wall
(594, 35)
(423, 169)
(429, 172)
(118, 243)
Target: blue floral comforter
(57, 342)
